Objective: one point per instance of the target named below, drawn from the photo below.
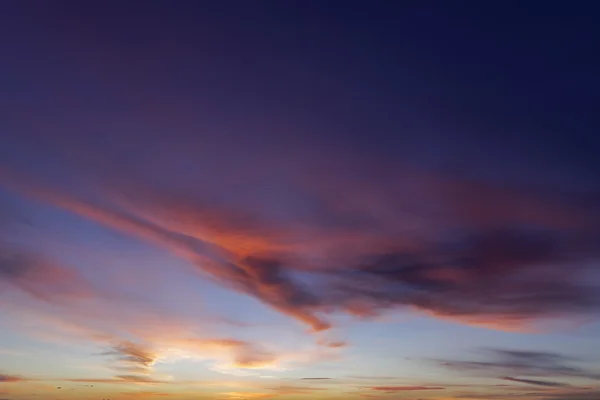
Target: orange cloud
(241, 354)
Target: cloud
(284, 390)
(142, 395)
(132, 357)
(229, 355)
(459, 280)
(105, 319)
(26, 269)
(472, 251)
(334, 344)
(524, 363)
(480, 277)
(41, 277)
(10, 378)
(535, 382)
(573, 395)
(275, 391)
(244, 354)
(249, 395)
(137, 379)
(404, 388)
(314, 379)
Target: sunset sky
(258, 199)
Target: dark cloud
(524, 363)
(504, 278)
(513, 274)
(535, 382)
(269, 279)
(573, 395)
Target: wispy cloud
(10, 378)
(132, 357)
(314, 379)
(535, 382)
(125, 379)
(572, 395)
(41, 277)
(404, 388)
(144, 395)
(524, 363)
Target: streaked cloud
(10, 378)
(502, 362)
(314, 379)
(393, 389)
(144, 395)
(535, 382)
(125, 379)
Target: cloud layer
(527, 365)
(468, 251)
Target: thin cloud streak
(535, 382)
(525, 364)
(10, 378)
(392, 389)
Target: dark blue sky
(453, 81)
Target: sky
(299, 200)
